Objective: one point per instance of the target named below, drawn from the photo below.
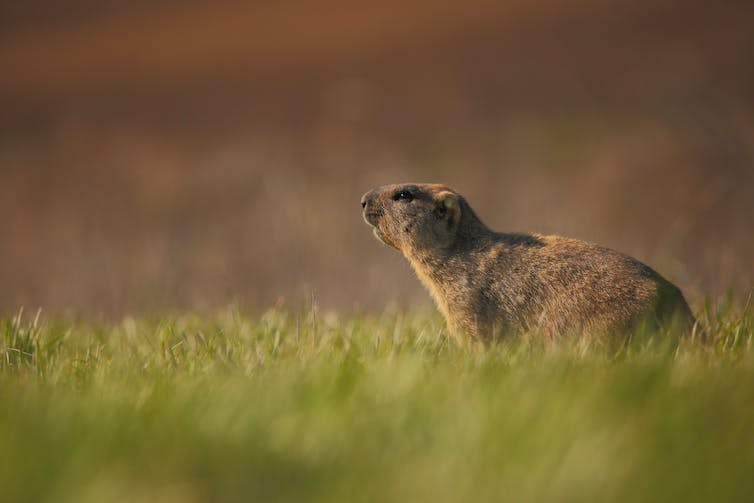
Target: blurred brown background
(184, 154)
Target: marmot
(487, 283)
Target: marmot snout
(486, 283)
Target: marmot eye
(403, 195)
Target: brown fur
(486, 283)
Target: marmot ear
(448, 206)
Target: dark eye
(403, 195)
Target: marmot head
(413, 216)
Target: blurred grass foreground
(303, 406)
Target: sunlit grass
(303, 405)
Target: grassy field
(302, 405)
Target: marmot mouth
(372, 216)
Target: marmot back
(487, 283)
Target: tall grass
(309, 406)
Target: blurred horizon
(181, 155)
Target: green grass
(307, 406)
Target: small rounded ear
(448, 207)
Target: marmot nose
(364, 200)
